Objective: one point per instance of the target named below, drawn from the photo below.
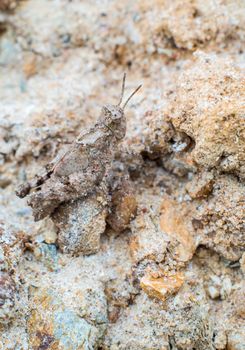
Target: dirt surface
(149, 253)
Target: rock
(236, 340)
(123, 205)
(201, 186)
(148, 240)
(161, 35)
(216, 128)
(220, 340)
(30, 66)
(53, 326)
(162, 287)
(145, 324)
(11, 247)
(71, 330)
(47, 231)
(119, 293)
(226, 288)
(174, 222)
(80, 225)
(216, 280)
(223, 228)
(238, 299)
(9, 340)
(213, 292)
(134, 329)
(181, 165)
(216, 222)
(11, 250)
(157, 135)
(8, 296)
(47, 253)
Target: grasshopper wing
(77, 158)
(73, 161)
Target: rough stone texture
(123, 202)
(216, 222)
(216, 124)
(199, 24)
(81, 224)
(11, 290)
(52, 325)
(135, 329)
(183, 155)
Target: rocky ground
(154, 259)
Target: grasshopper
(82, 168)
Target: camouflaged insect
(82, 168)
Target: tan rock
(219, 220)
(179, 164)
(162, 287)
(201, 186)
(236, 340)
(174, 222)
(30, 66)
(148, 241)
(196, 27)
(238, 297)
(220, 340)
(216, 221)
(123, 208)
(47, 230)
(214, 122)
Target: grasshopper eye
(116, 113)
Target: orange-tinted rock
(162, 287)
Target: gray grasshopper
(82, 168)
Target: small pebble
(213, 292)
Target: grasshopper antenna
(129, 98)
(123, 88)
